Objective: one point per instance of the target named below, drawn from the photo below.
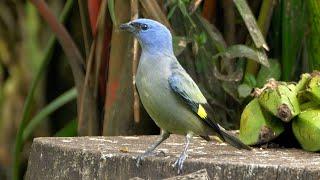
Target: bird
(168, 93)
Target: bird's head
(152, 35)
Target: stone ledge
(114, 158)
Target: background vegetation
(67, 70)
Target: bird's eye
(144, 27)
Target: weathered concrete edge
(54, 162)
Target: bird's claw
(142, 156)
(179, 162)
(138, 160)
(160, 154)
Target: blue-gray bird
(168, 93)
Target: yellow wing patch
(202, 112)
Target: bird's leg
(164, 135)
(183, 155)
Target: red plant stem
(209, 9)
(93, 9)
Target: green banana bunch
(263, 118)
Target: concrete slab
(114, 158)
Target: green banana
(280, 99)
(258, 126)
(306, 129)
(313, 88)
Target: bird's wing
(183, 85)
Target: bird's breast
(153, 87)
(152, 77)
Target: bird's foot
(147, 154)
(180, 161)
(139, 158)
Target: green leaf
(172, 10)
(69, 130)
(183, 8)
(293, 31)
(47, 110)
(251, 24)
(244, 90)
(202, 38)
(214, 36)
(237, 51)
(313, 39)
(265, 73)
(250, 80)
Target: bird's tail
(224, 134)
(232, 140)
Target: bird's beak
(127, 27)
